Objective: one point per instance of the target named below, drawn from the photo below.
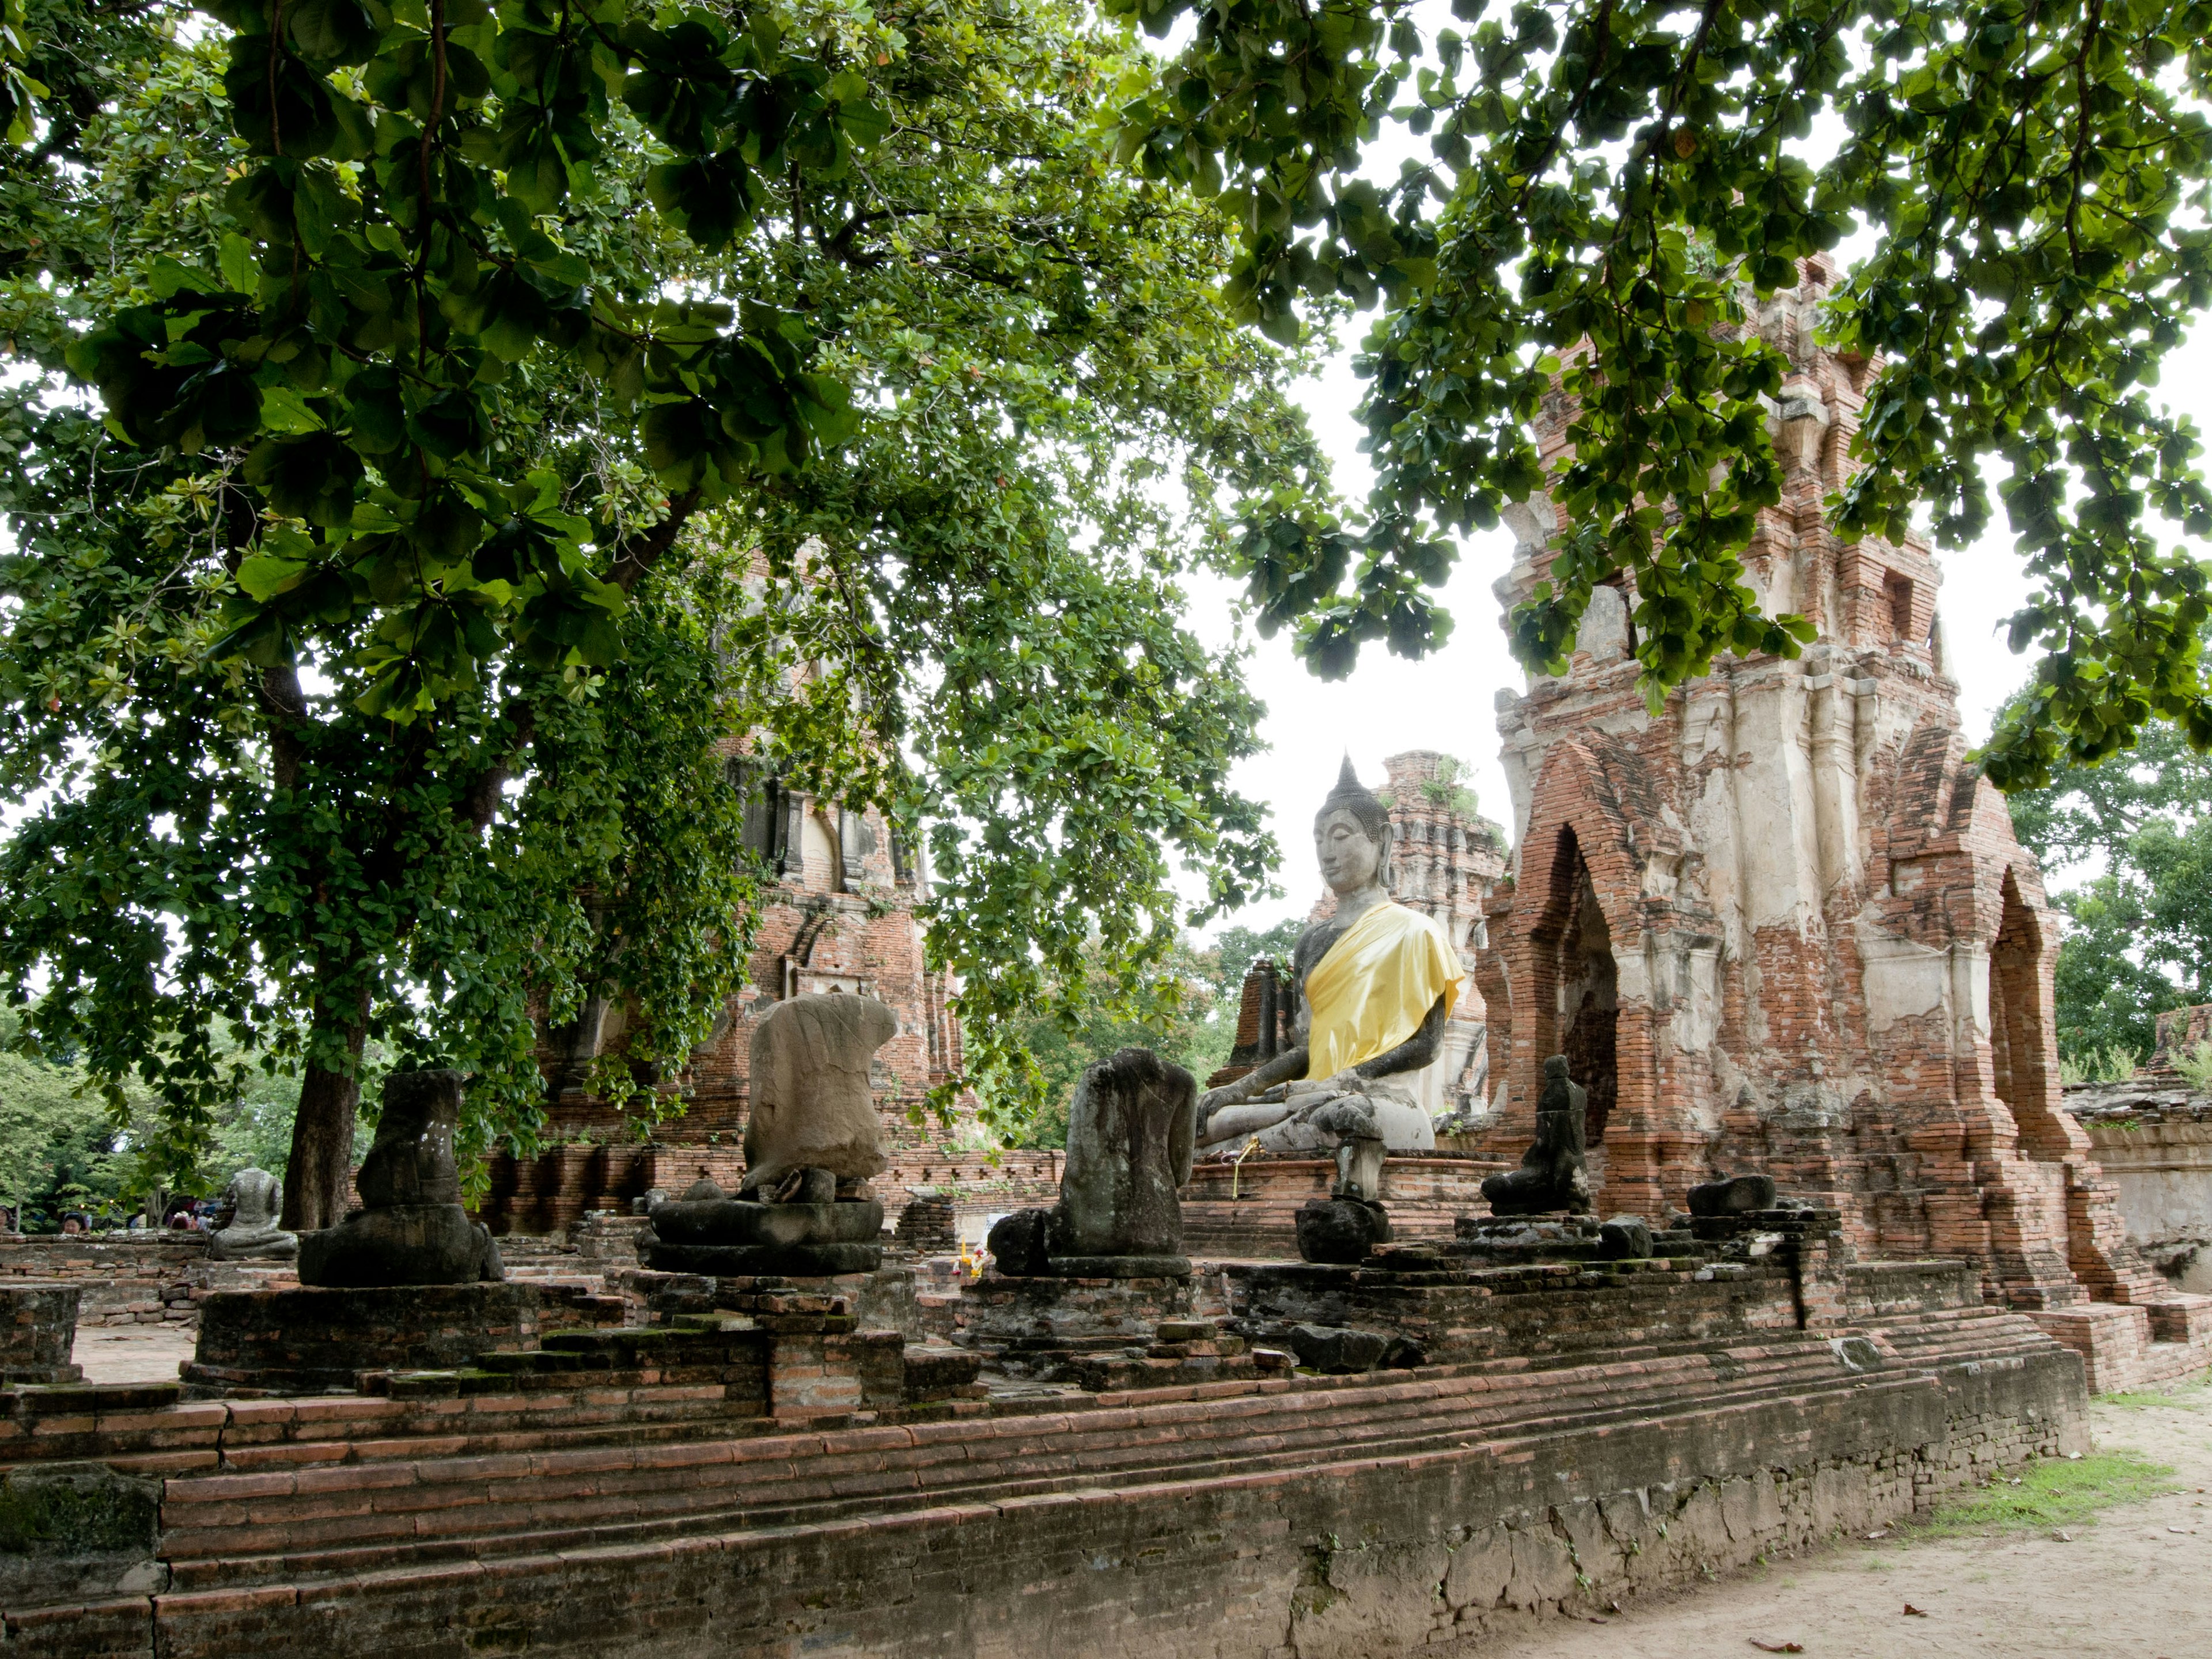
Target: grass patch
(2059, 1493)
(2186, 1396)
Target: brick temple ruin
(1445, 862)
(1784, 926)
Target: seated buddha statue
(1377, 982)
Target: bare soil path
(2132, 1581)
(132, 1353)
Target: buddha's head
(1352, 836)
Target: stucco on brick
(1787, 907)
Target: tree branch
(638, 553)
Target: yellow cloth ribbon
(1375, 985)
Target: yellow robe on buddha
(1375, 985)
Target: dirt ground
(2134, 1582)
(132, 1353)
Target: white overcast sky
(1446, 702)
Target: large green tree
(2128, 846)
(1604, 183)
(502, 410)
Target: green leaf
(284, 410)
(239, 273)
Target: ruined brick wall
(1470, 1506)
(136, 1279)
(1785, 925)
(2152, 1133)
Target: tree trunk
(319, 1180)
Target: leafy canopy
(370, 672)
(1605, 179)
(388, 272)
(2134, 834)
(1061, 416)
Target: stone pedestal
(1021, 1247)
(1341, 1230)
(1739, 1195)
(318, 1341)
(38, 1328)
(735, 1236)
(1096, 1334)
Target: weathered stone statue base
(1342, 1230)
(318, 1341)
(1021, 1247)
(1516, 1193)
(1739, 1195)
(1625, 1238)
(401, 1244)
(1537, 1230)
(1000, 1312)
(1102, 1333)
(727, 1237)
(411, 1229)
(274, 1245)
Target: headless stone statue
(812, 1142)
(411, 1229)
(254, 1197)
(1552, 1175)
(1128, 1149)
(1377, 982)
(811, 1106)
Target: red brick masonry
(1352, 1515)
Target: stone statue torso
(1313, 945)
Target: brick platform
(315, 1340)
(1424, 1195)
(678, 1491)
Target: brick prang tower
(1784, 926)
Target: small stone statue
(411, 1229)
(254, 1199)
(1129, 1134)
(811, 1143)
(1552, 1175)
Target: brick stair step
(693, 1521)
(1426, 1417)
